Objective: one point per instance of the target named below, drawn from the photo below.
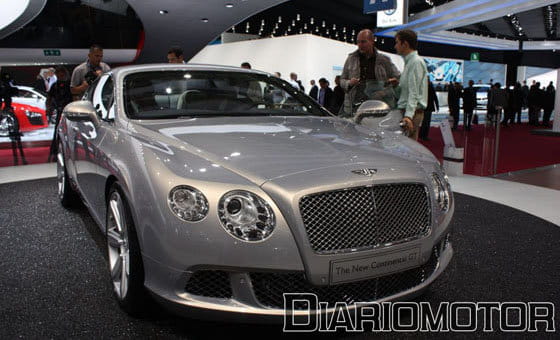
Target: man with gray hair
(366, 73)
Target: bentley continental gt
(219, 189)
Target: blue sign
(372, 6)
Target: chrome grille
(270, 287)
(365, 217)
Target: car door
(90, 135)
(73, 138)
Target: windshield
(175, 94)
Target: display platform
(55, 281)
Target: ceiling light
(229, 5)
(163, 12)
(204, 20)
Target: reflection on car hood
(265, 148)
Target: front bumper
(243, 296)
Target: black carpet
(54, 277)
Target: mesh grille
(365, 217)
(35, 120)
(210, 283)
(269, 287)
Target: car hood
(267, 148)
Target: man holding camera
(86, 73)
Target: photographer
(86, 73)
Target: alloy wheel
(118, 245)
(60, 172)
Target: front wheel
(66, 194)
(125, 260)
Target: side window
(25, 94)
(107, 93)
(88, 95)
(103, 96)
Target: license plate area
(368, 267)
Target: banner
(394, 17)
(372, 6)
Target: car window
(172, 94)
(88, 95)
(103, 96)
(24, 94)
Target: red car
(29, 117)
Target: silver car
(220, 189)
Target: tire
(67, 196)
(123, 252)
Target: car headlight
(32, 114)
(246, 216)
(187, 203)
(441, 191)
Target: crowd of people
(367, 74)
(506, 102)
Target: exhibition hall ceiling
(535, 24)
(154, 26)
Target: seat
(193, 100)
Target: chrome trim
(379, 245)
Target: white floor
(537, 201)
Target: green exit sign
(475, 57)
(51, 53)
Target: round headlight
(246, 216)
(441, 191)
(187, 203)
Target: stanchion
(453, 157)
(497, 144)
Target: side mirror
(372, 108)
(377, 114)
(82, 110)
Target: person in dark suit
(453, 97)
(314, 90)
(534, 101)
(519, 100)
(338, 96)
(469, 104)
(325, 97)
(525, 93)
(549, 98)
(432, 105)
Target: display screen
(444, 71)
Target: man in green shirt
(413, 84)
